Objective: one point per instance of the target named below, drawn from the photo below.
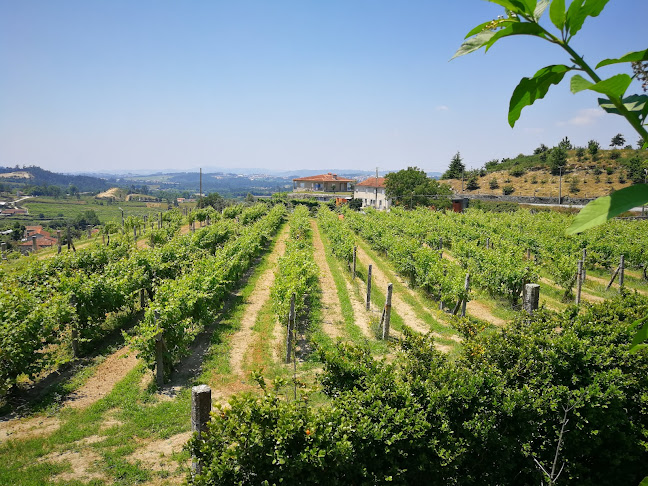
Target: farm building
(322, 183)
(372, 193)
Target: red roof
(40, 242)
(372, 182)
(324, 178)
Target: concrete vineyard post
(200, 409)
(388, 306)
(369, 288)
(531, 298)
(34, 244)
(579, 286)
(289, 328)
(89, 229)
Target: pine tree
(617, 141)
(456, 168)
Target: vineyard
(318, 372)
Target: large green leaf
(557, 13)
(644, 482)
(474, 43)
(579, 10)
(479, 28)
(639, 337)
(614, 87)
(540, 8)
(629, 57)
(516, 28)
(516, 6)
(635, 104)
(531, 89)
(600, 210)
(579, 83)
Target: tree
(565, 144)
(617, 141)
(412, 187)
(640, 143)
(523, 18)
(542, 148)
(214, 200)
(557, 159)
(593, 147)
(456, 168)
(580, 153)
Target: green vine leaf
(636, 56)
(474, 43)
(613, 87)
(579, 10)
(604, 208)
(557, 13)
(531, 89)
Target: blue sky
(97, 85)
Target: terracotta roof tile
(371, 182)
(324, 178)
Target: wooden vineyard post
(369, 288)
(528, 253)
(159, 359)
(4, 250)
(618, 271)
(135, 232)
(355, 249)
(584, 259)
(531, 298)
(440, 243)
(75, 342)
(103, 238)
(58, 238)
(388, 306)
(142, 298)
(465, 299)
(289, 328)
(487, 243)
(621, 272)
(579, 277)
(200, 409)
(34, 244)
(89, 230)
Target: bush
(424, 419)
(493, 184)
(508, 189)
(517, 172)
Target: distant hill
(582, 177)
(36, 176)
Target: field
(89, 409)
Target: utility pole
(560, 187)
(376, 200)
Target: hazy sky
(135, 84)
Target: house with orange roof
(322, 183)
(372, 192)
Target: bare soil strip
(360, 316)
(84, 465)
(603, 281)
(481, 311)
(584, 295)
(332, 318)
(157, 455)
(27, 428)
(106, 376)
(261, 293)
(401, 307)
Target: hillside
(36, 176)
(530, 176)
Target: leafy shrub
(517, 172)
(493, 184)
(508, 189)
(423, 419)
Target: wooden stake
(289, 329)
(388, 306)
(159, 359)
(621, 272)
(465, 300)
(369, 288)
(355, 248)
(579, 286)
(613, 277)
(34, 244)
(58, 237)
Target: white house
(372, 193)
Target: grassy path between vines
(416, 312)
(132, 434)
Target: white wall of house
(370, 199)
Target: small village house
(372, 193)
(322, 183)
